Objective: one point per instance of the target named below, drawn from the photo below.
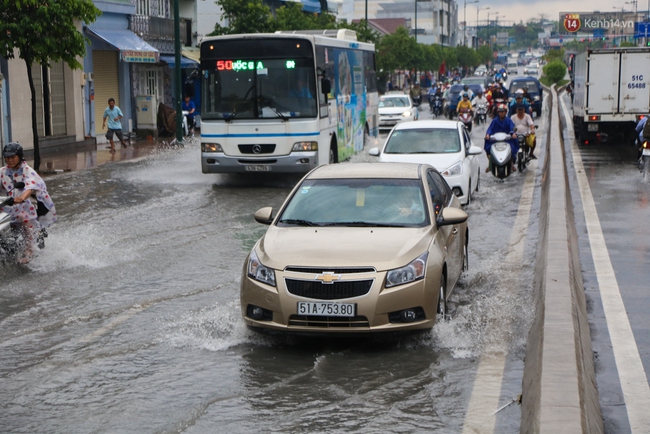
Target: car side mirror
(475, 150)
(264, 215)
(452, 216)
(374, 152)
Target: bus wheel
(366, 137)
(334, 157)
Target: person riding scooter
(20, 182)
(502, 124)
(465, 105)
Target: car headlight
(257, 271)
(211, 147)
(407, 113)
(456, 169)
(409, 273)
(305, 146)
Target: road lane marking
(486, 392)
(114, 323)
(633, 379)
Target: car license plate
(257, 168)
(326, 309)
(592, 127)
(646, 152)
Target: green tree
(43, 32)
(485, 54)
(397, 51)
(466, 56)
(555, 70)
(291, 17)
(552, 55)
(244, 16)
(450, 58)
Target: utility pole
(177, 74)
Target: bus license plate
(257, 168)
(326, 309)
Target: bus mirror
(326, 86)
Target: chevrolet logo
(328, 277)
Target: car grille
(262, 149)
(328, 291)
(340, 270)
(328, 321)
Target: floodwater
(129, 320)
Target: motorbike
(481, 114)
(417, 100)
(12, 240)
(465, 116)
(496, 102)
(436, 105)
(500, 155)
(522, 155)
(644, 159)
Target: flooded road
(129, 320)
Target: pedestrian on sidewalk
(189, 107)
(113, 114)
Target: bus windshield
(267, 84)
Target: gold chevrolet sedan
(357, 248)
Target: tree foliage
(244, 16)
(43, 32)
(555, 70)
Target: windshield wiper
(280, 115)
(232, 115)
(361, 224)
(299, 222)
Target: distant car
(446, 145)
(481, 81)
(535, 91)
(357, 249)
(531, 71)
(480, 70)
(396, 108)
(512, 67)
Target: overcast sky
(523, 10)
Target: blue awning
(131, 47)
(185, 62)
(311, 6)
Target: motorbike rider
(464, 104)
(502, 124)
(416, 93)
(480, 100)
(639, 129)
(468, 91)
(524, 125)
(19, 181)
(497, 93)
(516, 101)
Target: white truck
(611, 92)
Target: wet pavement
(72, 159)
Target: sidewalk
(74, 159)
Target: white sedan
(396, 108)
(446, 145)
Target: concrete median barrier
(559, 385)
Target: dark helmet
(12, 149)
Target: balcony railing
(154, 28)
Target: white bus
(285, 102)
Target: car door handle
(455, 231)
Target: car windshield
(423, 141)
(269, 92)
(357, 203)
(519, 84)
(400, 101)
